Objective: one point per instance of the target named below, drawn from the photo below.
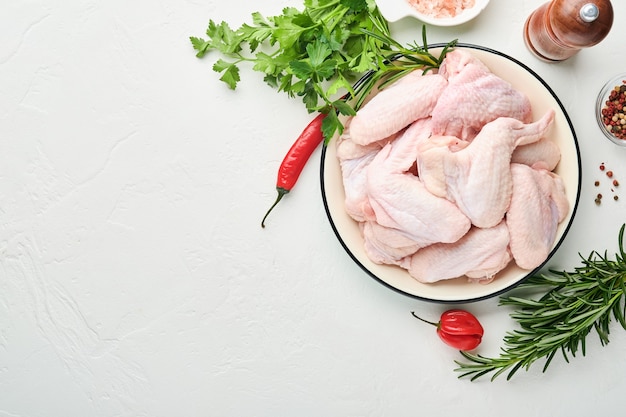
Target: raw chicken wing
(384, 245)
(543, 154)
(474, 97)
(480, 254)
(538, 205)
(354, 160)
(396, 107)
(400, 201)
(478, 177)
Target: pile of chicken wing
(448, 176)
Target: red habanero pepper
(296, 158)
(458, 328)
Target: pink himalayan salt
(441, 8)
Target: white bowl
(460, 290)
(394, 10)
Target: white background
(135, 279)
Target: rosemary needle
(573, 304)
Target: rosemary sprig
(573, 304)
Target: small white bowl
(603, 96)
(394, 10)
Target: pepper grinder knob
(589, 12)
(559, 29)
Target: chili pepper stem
(425, 321)
(281, 194)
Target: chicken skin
(394, 108)
(480, 254)
(384, 245)
(538, 205)
(474, 97)
(478, 178)
(400, 200)
(543, 154)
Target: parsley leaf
(355, 5)
(331, 124)
(315, 53)
(302, 69)
(230, 72)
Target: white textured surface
(135, 279)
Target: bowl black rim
(534, 271)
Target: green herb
(574, 304)
(316, 53)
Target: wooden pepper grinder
(557, 30)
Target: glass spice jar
(611, 109)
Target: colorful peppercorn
(614, 111)
(609, 174)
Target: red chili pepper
(458, 328)
(296, 159)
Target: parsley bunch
(573, 304)
(315, 53)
